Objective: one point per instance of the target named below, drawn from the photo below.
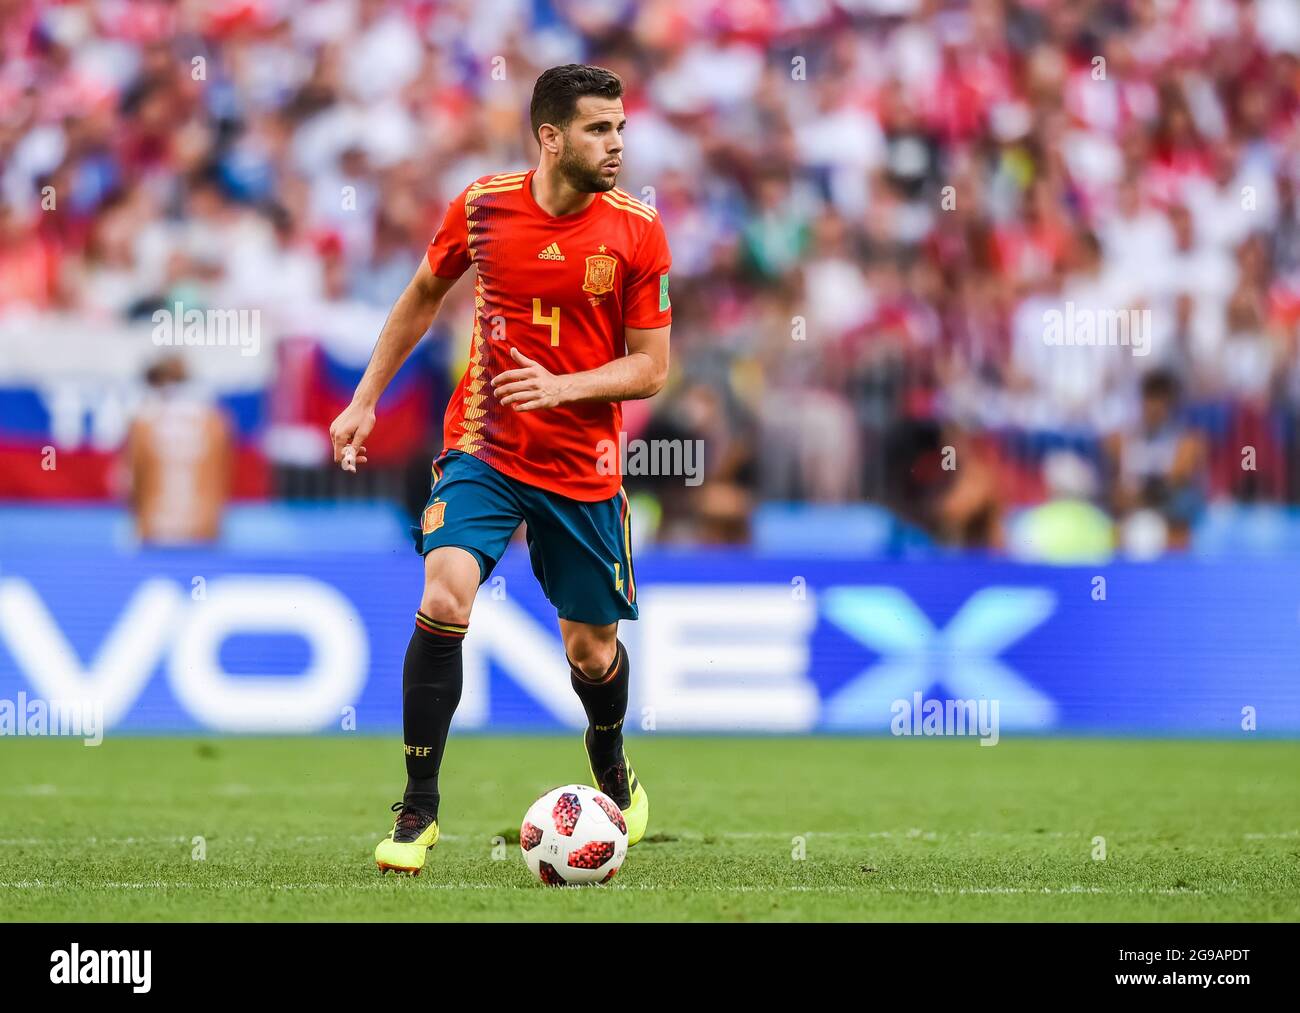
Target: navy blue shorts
(581, 552)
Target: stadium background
(843, 322)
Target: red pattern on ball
(612, 811)
(549, 876)
(566, 812)
(591, 855)
(529, 836)
(610, 875)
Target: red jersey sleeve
(448, 252)
(645, 295)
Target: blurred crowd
(873, 206)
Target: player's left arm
(639, 374)
(647, 318)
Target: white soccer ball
(573, 836)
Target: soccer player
(571, 317)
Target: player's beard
(583, 176)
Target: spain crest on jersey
(433, 517)
(600, 274)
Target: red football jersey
(561, 290)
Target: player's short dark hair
(556, 93)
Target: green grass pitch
(740, 830)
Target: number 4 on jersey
(553, 319)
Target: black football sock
(431, 685)
(605, 701)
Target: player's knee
(592, 652)
(440, 602)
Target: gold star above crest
(601, 248)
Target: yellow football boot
(403, 850)
(620, 783)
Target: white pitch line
(229, 790)
(865, 890)
(685, 836)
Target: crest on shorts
(600, 274)
(433, 517)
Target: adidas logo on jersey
(552, 252)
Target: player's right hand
(348, 432)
